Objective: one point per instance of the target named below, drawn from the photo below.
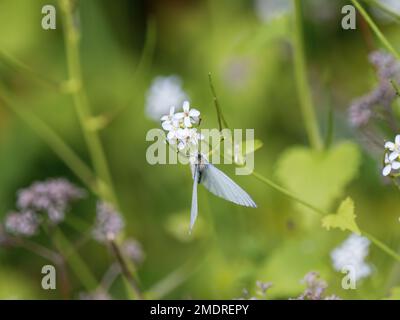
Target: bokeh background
(126, 44)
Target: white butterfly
(217, 183)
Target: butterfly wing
(222, 186)
(194, 209)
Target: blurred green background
(125, 44)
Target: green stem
(71, 35)
(79, 267)
(19, 66)
(125, 270)
(286, 192)
(385, 42)
(384, 8)
(69, 157)
(382, 246)
(396, 184)
(303, 88)
(290, 195)
(221, 119)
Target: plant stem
(72, 36)
(79, 267)
(37, 249)
(286, 192)
(70, 158)
(17, 65)
(385, 42)
(382, 246)
(303, 88)
(125, 270)
(109, 277)
(221, 119)
(396, 184)
(65, 284)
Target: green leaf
(318, 177)
(344, 218)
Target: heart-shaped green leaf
(319, 177)
(344, 218)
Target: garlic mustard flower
(173, 135)
(352, 253)
(169, 121)
(389, 165)
(392, 156)
(394, 147)
(189, 137)
(180, 130)
(188, 115)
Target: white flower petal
(167, 125)
(179, 115)
(172, 111)
(181, 145)
(187, 122)
(195, 120)
(172, 141)
(181, 133)
(394, 155)
(386, 170)
(389, 145)
(186, 106)
(171, 135)
(194, 113)
(397, 139)
(387, 161)
(395, 165)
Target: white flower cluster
(351, 254)
(180, 127)
(163, 93)
(392, 156)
